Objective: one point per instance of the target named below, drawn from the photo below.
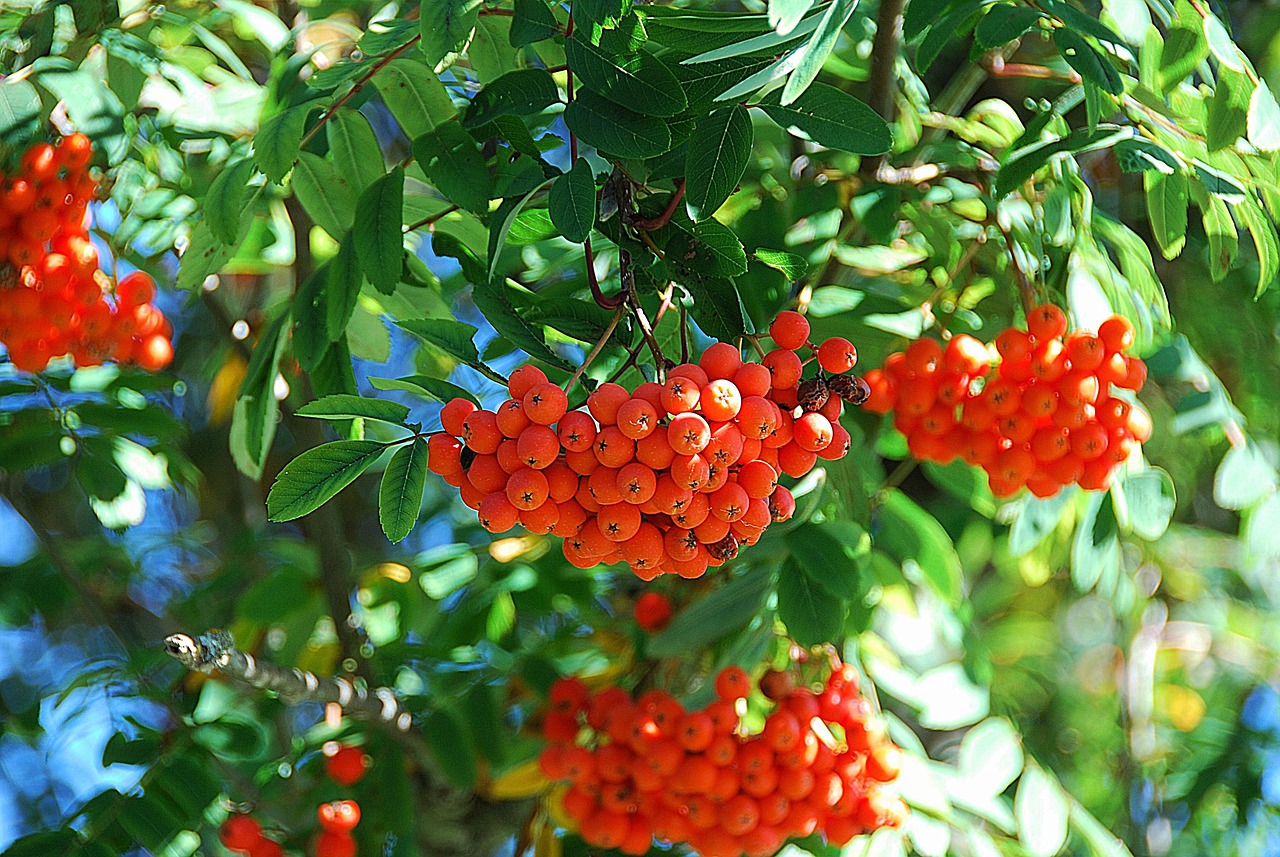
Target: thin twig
(599, 346)
(355, 88)
(603, 301)
(431, 221)
(653, 224)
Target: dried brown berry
(812, 394)
(725, 549)
(851, 388)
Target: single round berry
(837, 355)
(653, 611)
(347, 766)
(789, 330)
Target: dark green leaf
(354, 149)
(311, 479)
(911, 535)
(708, 619)
(1023, 162)
(704, 82)
(827, 553)
(616, 130)
(533, 21)
(446, 26)
(811, 614)
(253, 421)
(501, 221)
(1263, 231)
(920, 14)
(719, 150)
(717, 306)
(1080, 22)
(377, 233)
(954, 26)
(1003, 23)
(342, 288)
(275, 146)
(400, 494)
(791, 266)
(708, 247)
(491, 299)
(451, 159)
(435, 388)
(451, 337)
(448, 739)
(342, 406)
(582, 320)
(831, 118)
(415, 96)
(1088, 60)
(811, 56)
(1138, 155)
(522, 92)
(386, 35)
(324, 193)
(224, 204)
(572, 202)
(204, 255)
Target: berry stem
(608, 332)
(652, 223)
(603, 301)
(355, 89)
(432, 220)
(646, 329)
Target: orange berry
(720, 361)
(837, 355)
(524, 379)
(605, 401)
(924, 357)
(644, 548)
(135, 289)
(444, 454)
(688, 433)
(613, 448)
(480, 432)
(618, 522)
(729, 502)
(720, 400)
(1014, 345)
(789, 330)
(1116, 334)
(576, 431)
(347, 766)
(732, 683)
(545, 403)
(753, 379)
(339, 815)
(40, 163)
(637, 419)
(636, 483)
(1046, 322)
(154, 353)
(680, 395)
(784, 366)
(1085, 351)
(812, 432)
(512, 419)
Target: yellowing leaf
(222, 392)
(523, 781)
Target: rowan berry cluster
(53, 298)
(1042, 415)
(670, 478)
(243, 834)
(647, 769)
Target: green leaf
(713, 617)
(704, 82)
(1035, 519)
(1088, 61)
(532, 22)
(1265, 241)
(1095, 551)
(224, 204)
(920, 14)
(452, 337)
(434, 388)
(1185, 47)
(1150, 498)
(448, 739)
(522, 92)
(1076, 20)
(377, 234)
(831, 118)
(1167, 198)
(19, 113)
(204, 255)
(491, 299)
(415, 96)
(572, 202)
(914, 537)
(501, 221)
(446, 26)
(827, 553)
(1041, 809)
(253, 421)
(309, 341)
(717, 306)
(275, 146)
(784, 15)
(400, 493)
(1264, 119)
(342, 288)
(324, 193)
(791, 266)
(810, 58)
(1023, 163)
(95, 109)
(1228, 110)
(580, 319)
(639, 82)
(811, 615)
(311, 479)
(344, 407)
(1003, 23)
(616, 130)
(1243, 478)
(452, 161)
(954, 26)
(708, 247)
(1220, 229)
(354, 149)
(719, 150)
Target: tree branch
(216, 652)
(355, 88)
(884, 58)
